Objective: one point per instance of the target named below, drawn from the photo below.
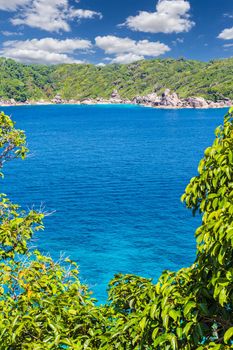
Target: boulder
(115, 95)
(211, 104)
(137, 100)
(88, 101)
(167, 92)
(57, 99)
(170, 99)
(196, 102)
(153, 99)
(74, 102)
(116, 100)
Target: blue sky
(122, 31)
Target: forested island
(183, 83)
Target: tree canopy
(43, 305)
(211, 80)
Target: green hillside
(211, 80)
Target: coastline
(167, 100)
(48, 103)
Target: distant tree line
(211, 80)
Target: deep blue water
(114, 175)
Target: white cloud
(12, 5)
(86, 14)
(228, 15)
(8, 33)
(226, 34)
(127, 58)
(171, 16)
(178, 41)
(127, 50)
(50, 15)
(51, 44)
(113, 44)
(38, 56)
(46, 51)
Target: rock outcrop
(166, 100)
(115, 95)
(57, 99)
(196, 102)
(172, 100)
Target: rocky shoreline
(166, 100)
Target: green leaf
(143, 323)
(188, 307)
(174, 314)
(228, 335)
(155, 333)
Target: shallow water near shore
(114, 176)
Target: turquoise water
(114, 176)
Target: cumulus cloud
(226, 34)
(50, 15)
(127, 58)
(45, 51)
(127, 50)
(171, 16)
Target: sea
(111, 177)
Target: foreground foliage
(43, 305)
(211, 80)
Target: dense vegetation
(211, 80)
(44, 306)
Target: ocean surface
(113, 177)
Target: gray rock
(57, 99)
(197, 102)
(115, 95)
(170, 99)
